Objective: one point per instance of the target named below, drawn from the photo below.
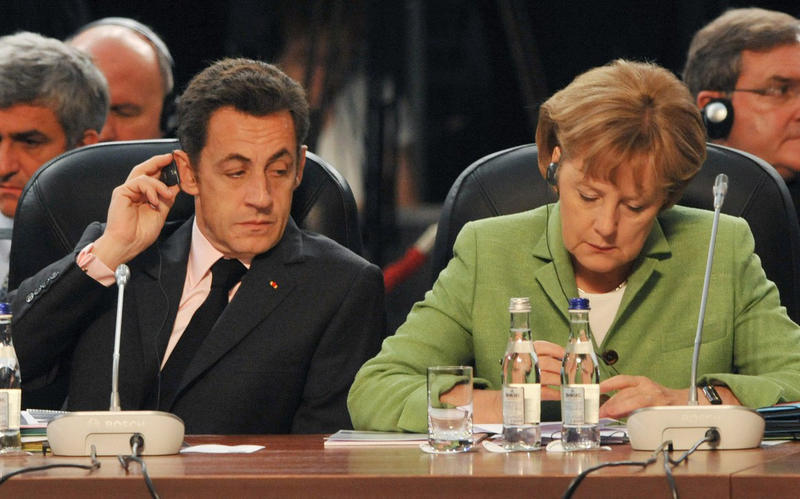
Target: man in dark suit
(52, 99)
(299, 323)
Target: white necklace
(621, 285)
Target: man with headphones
(743, 69)
(139, 70)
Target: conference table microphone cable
(711, 436)
(137, 442)
(91, 467)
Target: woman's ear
(555, 157)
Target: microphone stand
(115, 431)
(122, 274)
(739, 427)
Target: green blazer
(749, 343)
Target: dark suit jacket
(280, 359)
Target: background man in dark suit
(52, 99)
(299, 324)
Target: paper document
(349, 438)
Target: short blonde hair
(623, 112)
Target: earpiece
(718, 117)
(551, 175)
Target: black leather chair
(74, 189)
(509, 182)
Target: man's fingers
(151, 167)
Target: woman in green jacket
(619, 145)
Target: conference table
(299, 466)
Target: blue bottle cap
(579, 304)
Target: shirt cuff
(94, 268)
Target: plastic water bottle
(522, 389)
(10, 391)
(580, 383)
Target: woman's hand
(487, 405)
(634, 392)
(550, 357)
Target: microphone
(113, 432)
(121, 274)
(739, 427)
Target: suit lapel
(556, 277)
(158, 292)
(655, 249)
(269, 281)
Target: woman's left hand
(634, 392)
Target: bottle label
(580, 348)
(10, 405)
(580, 404)
(513, 405)
(520, 347)
(522, 403)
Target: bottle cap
(5, 308)
(519, 305)
(579, 304)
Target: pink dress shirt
(202, 255)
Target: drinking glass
(450, 423)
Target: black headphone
(551, 175)
(168, 120)
(718, 117)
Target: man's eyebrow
(27, 135)
(280, 154)
(235, 156)
(126, 106)
(781, 79)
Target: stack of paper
(350, 438)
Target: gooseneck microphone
(738, 427)
(720, 190)
(122, 275)
(111, 433)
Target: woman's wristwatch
(711, 394)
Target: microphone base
(74, 433)
(739, 427)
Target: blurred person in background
(139, 69)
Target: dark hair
(249, 86)
(46, 72)
(714, 59)
(621, 112)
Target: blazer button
(611, 357)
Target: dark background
(471, 73)
(473, 98)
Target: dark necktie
(224, 275)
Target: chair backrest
(509, 182)
(74, 189)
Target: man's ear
(705, 96)
(186, 173)
(301, 164)
(89, 137)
